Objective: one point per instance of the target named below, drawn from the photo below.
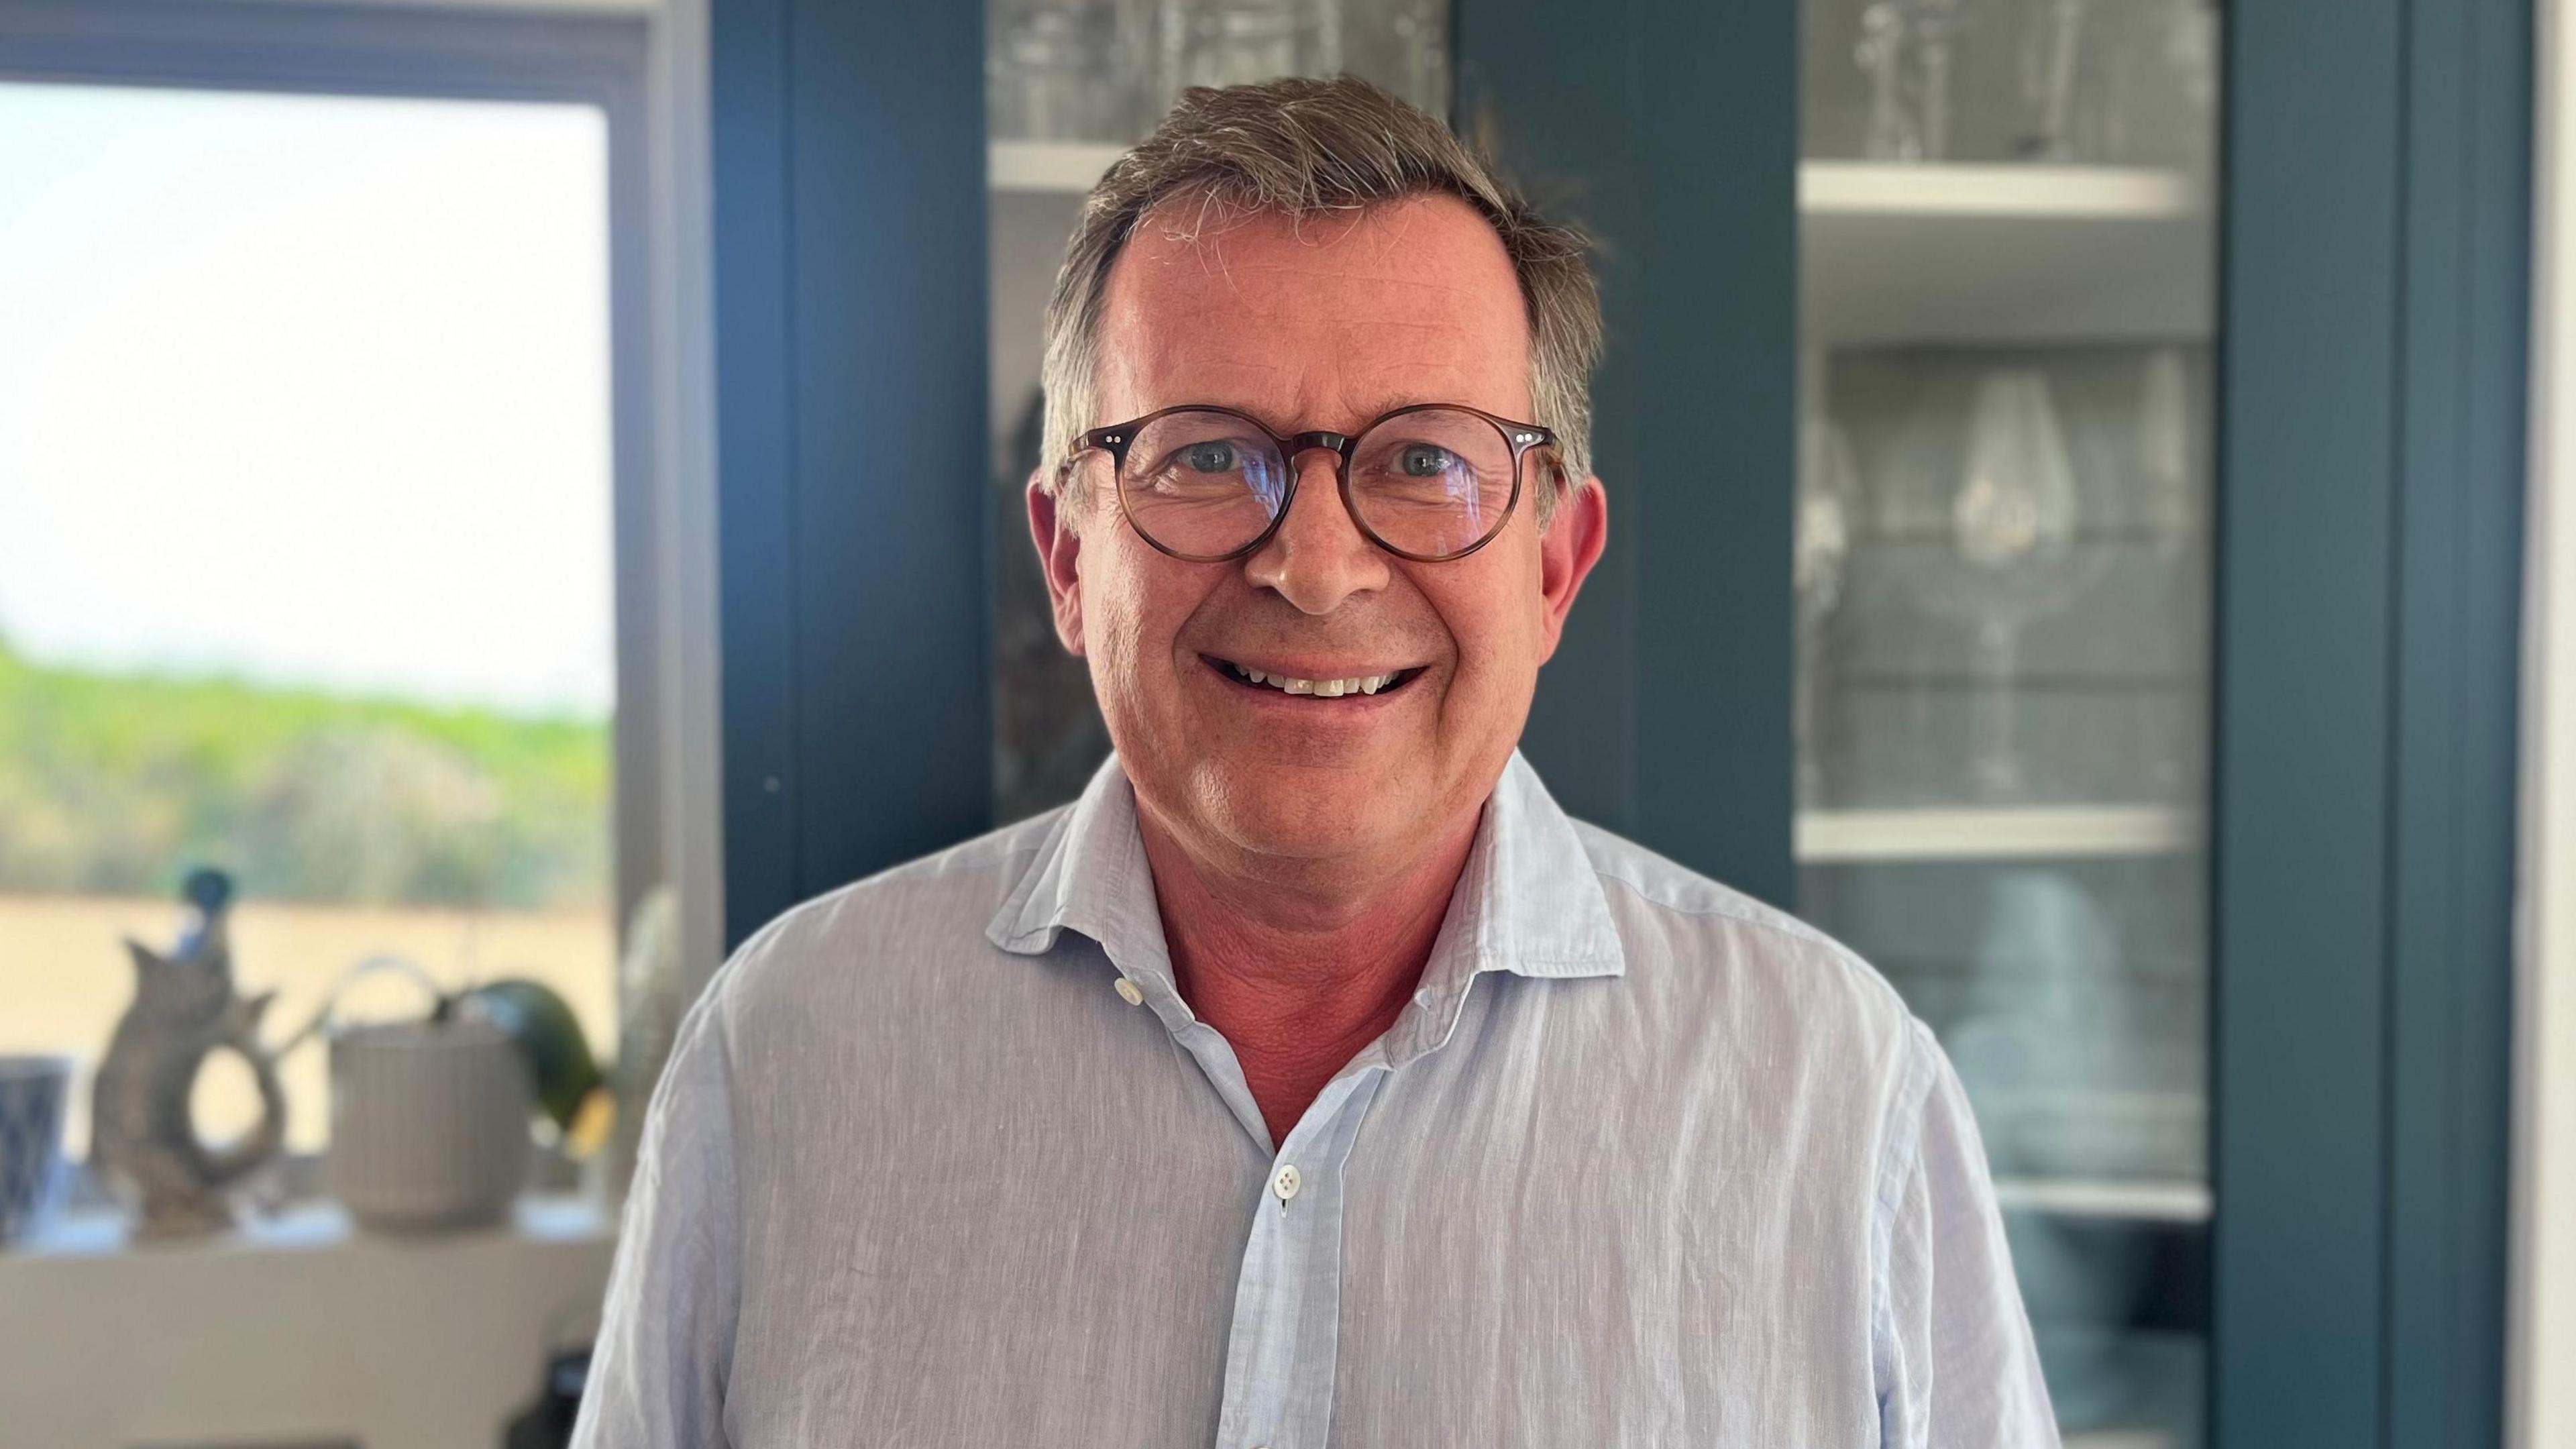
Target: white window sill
(291, 1329)
(312, 1226)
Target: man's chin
(1309, 815)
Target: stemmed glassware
(2170, 507)
(1107, 70)
(1906, 49)
(1237, 42)
(2052, 44)
(1990, 522)
(2012, 522)
(1827, 504)
(2057, 82)
(1045, 74)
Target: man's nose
(1319, 557)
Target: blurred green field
(114, 785)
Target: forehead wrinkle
(1162, 369)
(1294, 346)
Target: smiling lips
(1319, 688)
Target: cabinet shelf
(1995, 192)
(1066, 168)
(1893, 254)
(2022, 832)
(2144, 1201)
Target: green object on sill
(548, 1033)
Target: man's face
(1322, 324)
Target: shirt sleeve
(1958, 1368)
(665, 1348)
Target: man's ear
(1059, 546)
(1577, 530)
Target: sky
(308, 390)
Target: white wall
(2543, 1405)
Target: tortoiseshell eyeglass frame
(1523, 439)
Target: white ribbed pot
(429, 1124)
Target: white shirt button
(1285, 1184)
(1128, 993)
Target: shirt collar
(1528, 901)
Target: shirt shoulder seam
(1745, 912)
(1763, 918)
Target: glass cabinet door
(1068, 85)
(2003, 622)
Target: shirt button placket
(1281, 1347)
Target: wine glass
(2052, 44)
(1986, 514)
(1826, 505)
(1891, 133)
(2012, 520)
(1052, 75)
(1906, 47)
(1240, 42)
(2168, 497)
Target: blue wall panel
(850, 296)
(1670, 131)
(2377, 194)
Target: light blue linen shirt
(943, 1158)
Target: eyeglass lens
(1432, 483)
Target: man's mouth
(1317, 688)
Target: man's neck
(1300, 968)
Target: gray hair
(1301, 148)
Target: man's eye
(1423, 460)
(1208, 457)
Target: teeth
(1322, 688)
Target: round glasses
(1431, 482)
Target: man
(1313, 1079)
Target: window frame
(631, 62)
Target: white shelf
(319, 1225)
(2026, 832)
(2075, 1197)
(2059, 193)
(1895, 253)
(1067, 168)
(297, 1322)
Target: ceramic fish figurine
(143, 1134)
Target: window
(307, 539)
